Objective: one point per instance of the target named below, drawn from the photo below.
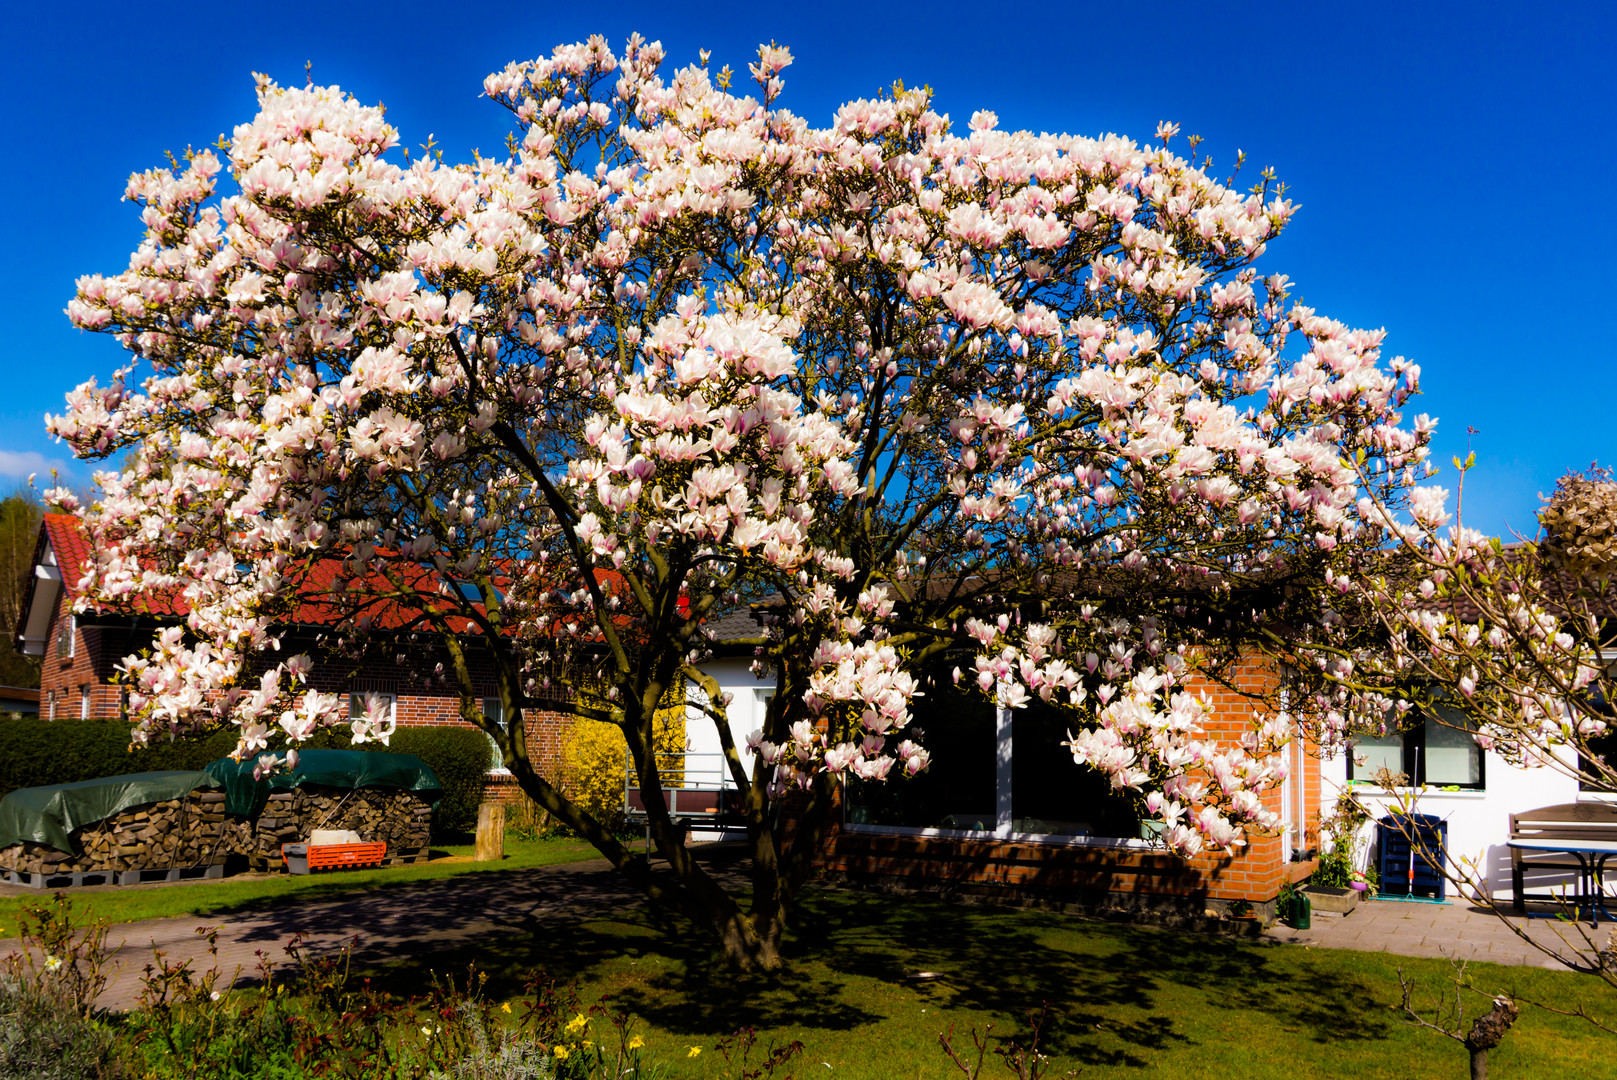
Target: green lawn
(1127, 1001)
(120, 905)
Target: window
(1437, 751)
(51, 706)
(64, 636)
(1050, 793)
(357, 704)
(973, 786)
(957, 792)
(494, 709)
(84, 703)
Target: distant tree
(20, 515)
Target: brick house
(1004, 811)
(79, 652)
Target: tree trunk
(750, 943)
(1488, 1031)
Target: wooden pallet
(78, 878)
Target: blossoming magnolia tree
(1016, 404)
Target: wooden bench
(1572, 822)
(340, 856)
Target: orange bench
(338, 856)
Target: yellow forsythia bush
(593, 759)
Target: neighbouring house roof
(737, 623)
(63, 554)
(19, 699)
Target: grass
(129, 904)
(1125, 1000)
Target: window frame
(66, 636)
(1413, 759)
(356, 703)
(497, 758)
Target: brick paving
(1459, 929)
(411, 920)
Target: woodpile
(401, 819)
(196, 831)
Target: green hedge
(461, 757)
(36, 752)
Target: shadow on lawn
(1114, 991)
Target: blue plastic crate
(1412, 851)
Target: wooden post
(490, 832)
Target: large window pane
(1051, 793)
(957, 791)
(1453, 757)
(1371, 756)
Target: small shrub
(49, 1029)
(527, 820)
(40, 1040)
(461, 758)
(595, 756)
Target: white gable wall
(746, 710)
(1479, 821)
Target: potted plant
(1337, 884)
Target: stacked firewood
(196, 831)
(399, 818)
(193, 831)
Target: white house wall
(746, 710)
(1479, 821)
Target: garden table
(1591, 856)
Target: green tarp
(48, 815)
(333, 768)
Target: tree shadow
(1115, 992)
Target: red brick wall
(1259, 870)
(63, 679)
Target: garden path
(397, 921)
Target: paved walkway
(412, 920)
(1460, 929)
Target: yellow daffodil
(577, 1024)
(636, 1043)
(694, 1050)
(506, 1007)
(560, 1051)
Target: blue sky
(1454, 164)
